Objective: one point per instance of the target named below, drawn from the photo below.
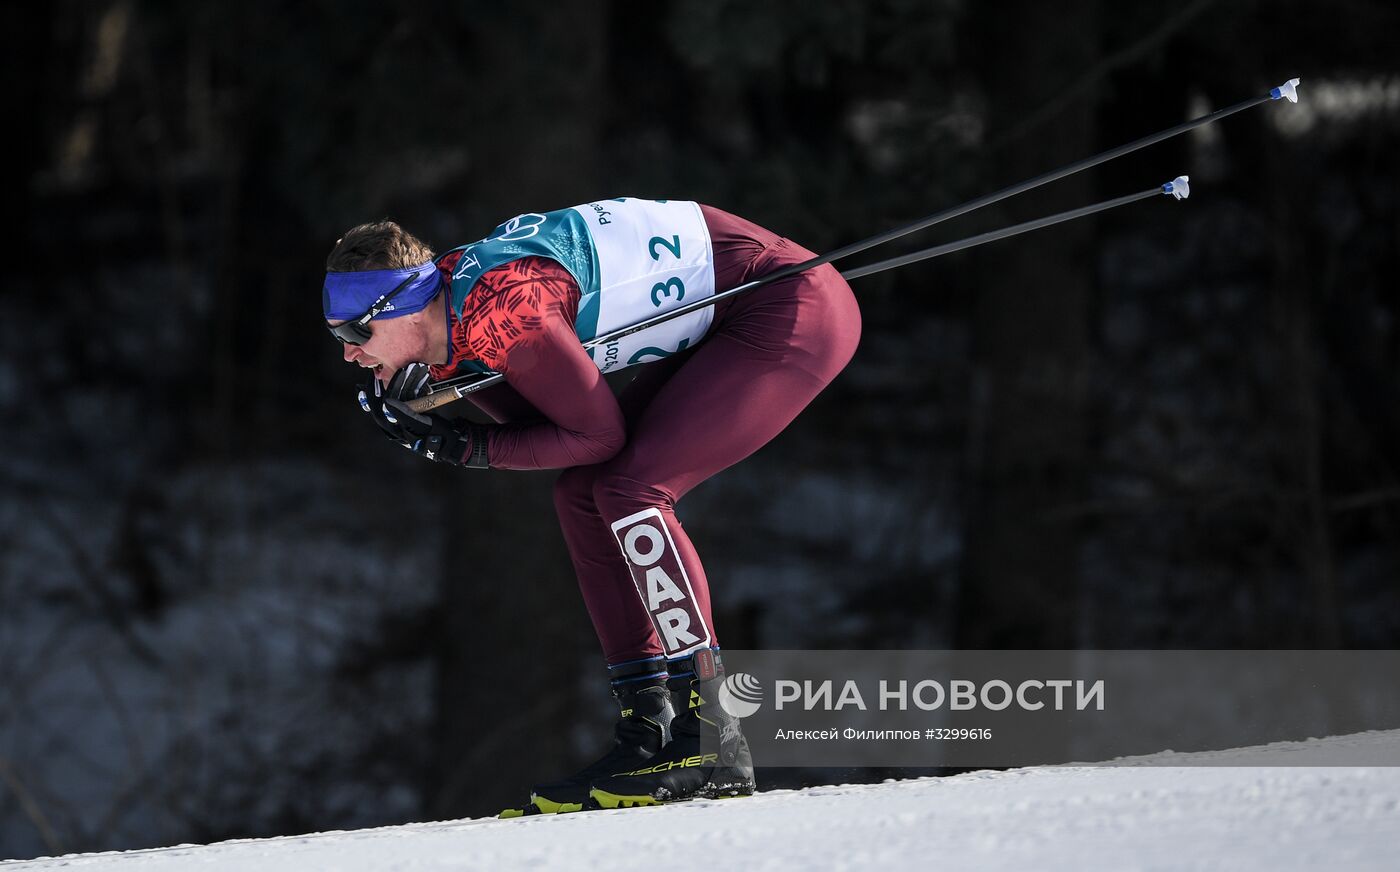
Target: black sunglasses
(357, 332)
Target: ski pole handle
(441, 396)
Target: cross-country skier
(719, 384)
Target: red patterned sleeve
(519, 320)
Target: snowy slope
(1250, 810)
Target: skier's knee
(574, 489)
(617, 494)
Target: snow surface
(1248, 808)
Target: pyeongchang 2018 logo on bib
(741, 694)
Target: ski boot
(708, 755)
(642, 730)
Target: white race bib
(653, 256)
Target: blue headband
(347, 295)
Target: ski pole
(1178, 188)
(1288, 90)
(457, 387)
(451, 390)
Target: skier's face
(393, 343)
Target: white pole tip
(1179, 187)
(1287, 91)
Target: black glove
(371, 397)
(409, 383)
(426, 434)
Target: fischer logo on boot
(662, 581)
(683, 763)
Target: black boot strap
(704, 665)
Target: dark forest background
(228, 607)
